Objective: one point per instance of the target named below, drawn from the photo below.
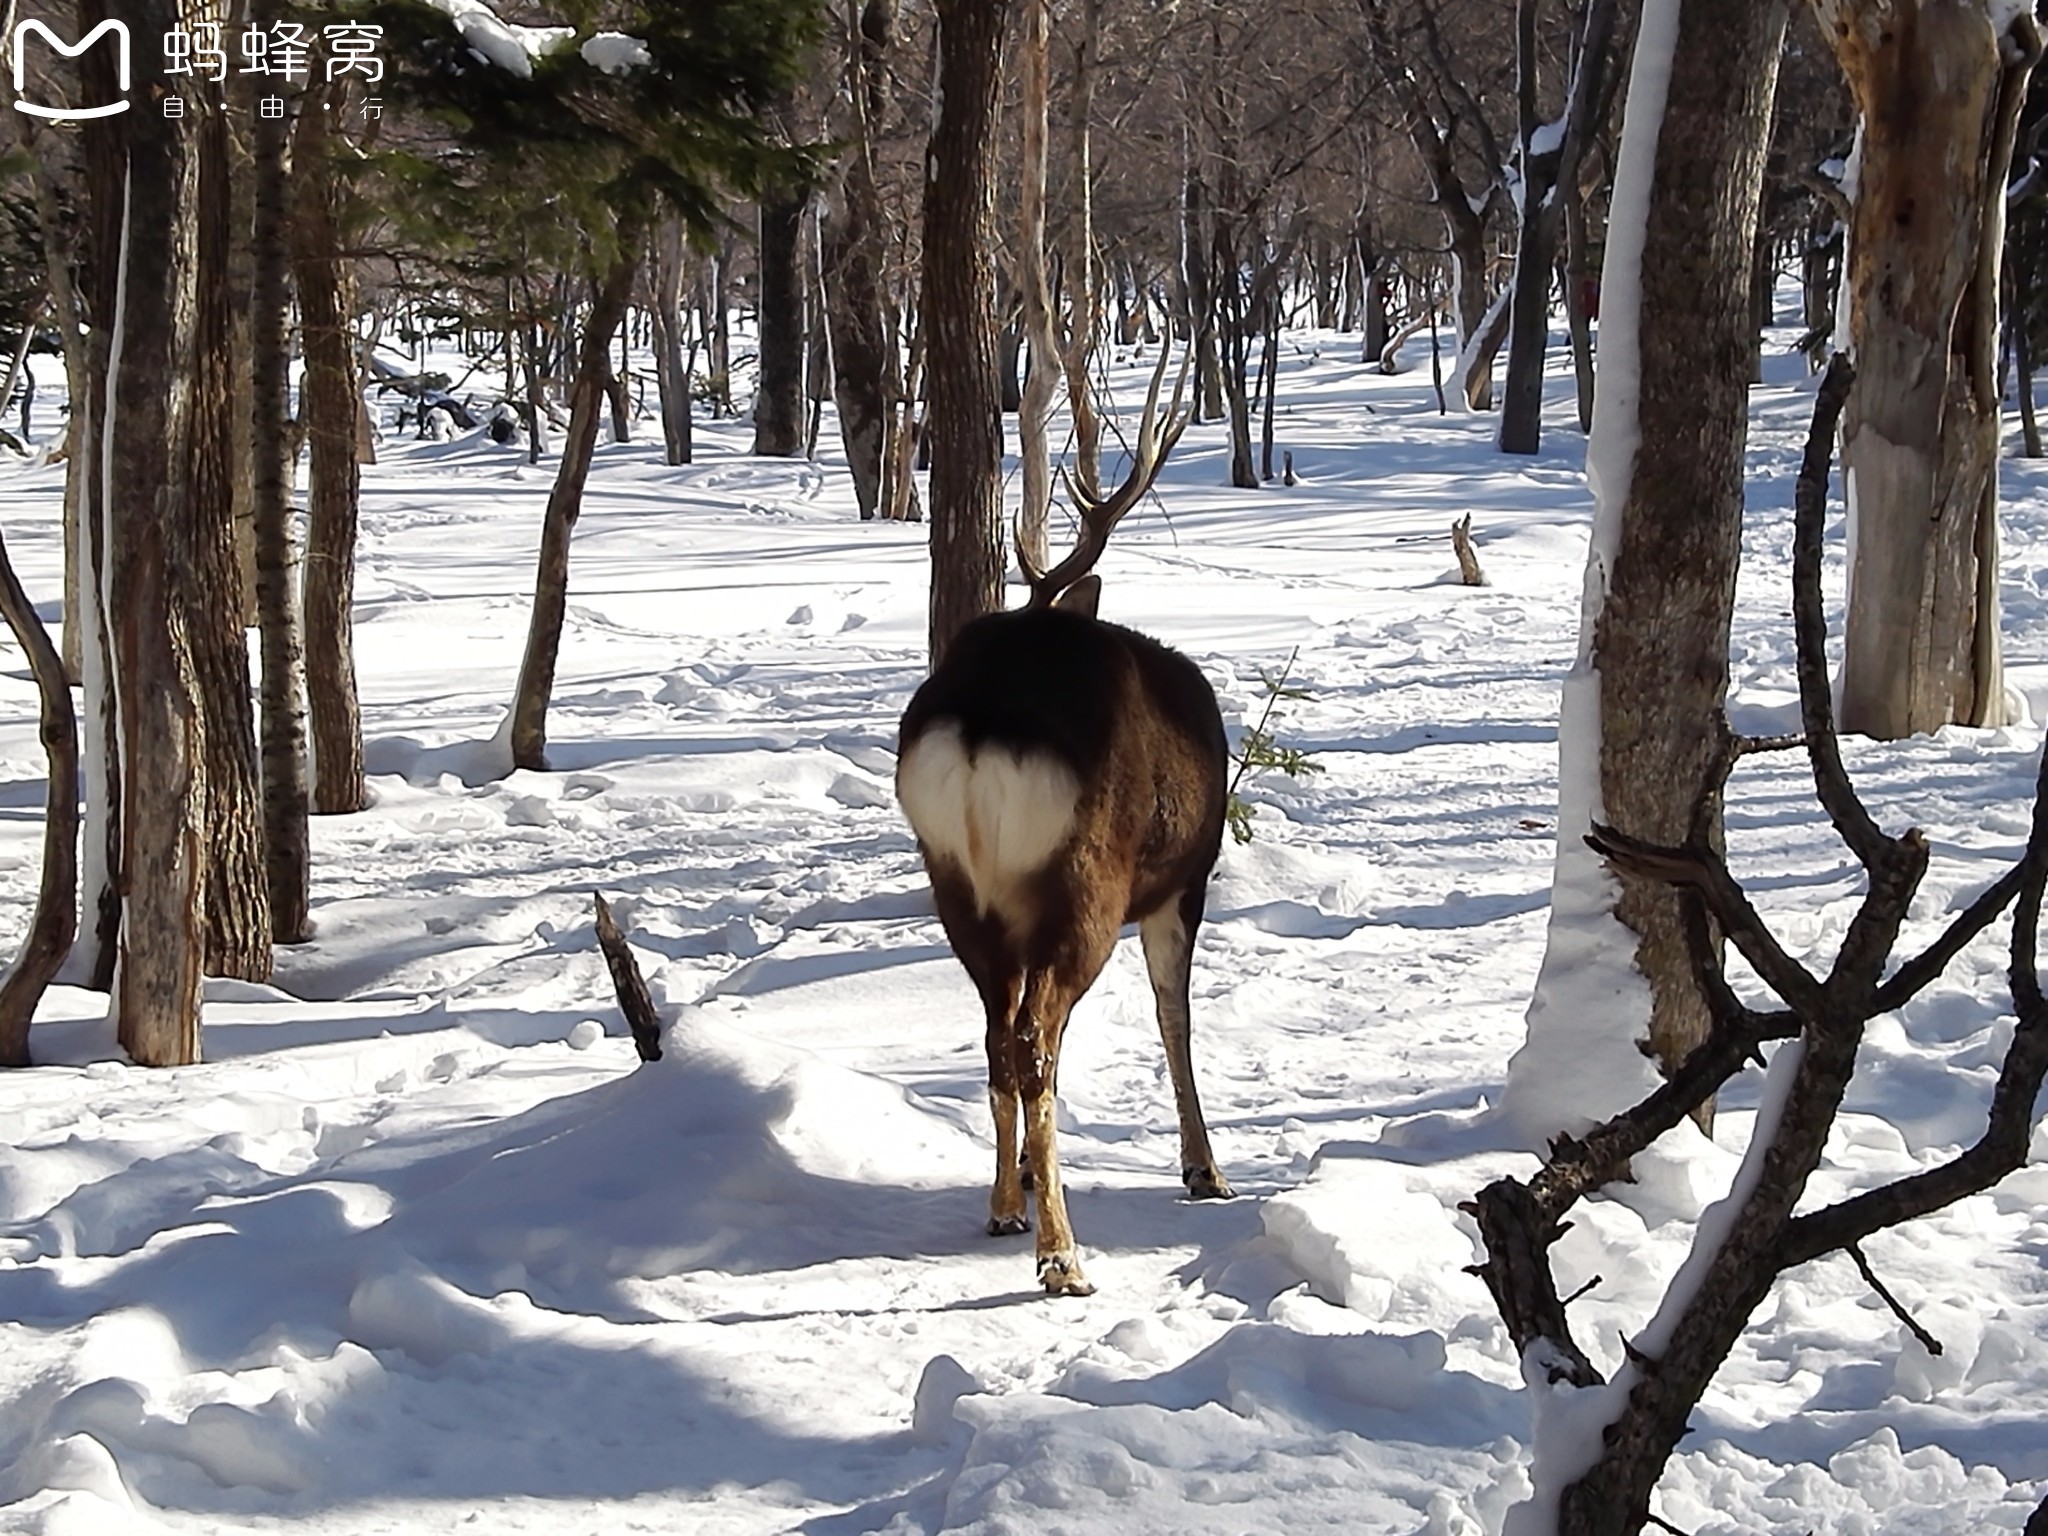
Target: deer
(1065, 776)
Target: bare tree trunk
(1233, 327)
(1475, 350)
(1939, 91)
(241, 277)
(1081, 281)
(1269, 379)
(1034, 448)
(1198, 283)
(163, 859)
(779, 405)
(103, 160)
(958, 310)
(671, 370)
(287, 852)
(899, 485)
(1549, 181)
(718, 327)
(326, 286)
(1579, 287)
(2023, 355)
(565, 503)
(1660, 646)
(866, 371)
(237, 897)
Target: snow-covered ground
(420, 1247)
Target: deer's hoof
(1060, 1274)
(1005, 1226)
(1206, 1184)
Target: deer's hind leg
(1169, 939)
(985, 950)
(1051, 988)
(1001, 997)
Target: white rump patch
(999, 815)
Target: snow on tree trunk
(1938, 85)
(1638, 726)
(964, 423)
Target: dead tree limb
(55, 923)
(1669, 1368)
(1468, 561)
(628, 983)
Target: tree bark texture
(671, 368)
(1661, 642)
(1549, 183)
(104, 157)
(565, 504)
(324, 276)
(163, 853)
(287, 851)
(867, 374)
(1938, 90)
(1034, 444)
(779, 406)
(237, 895)
(964, 423)
(1079, 248)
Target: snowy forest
(618, 611)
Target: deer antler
(1100, 514)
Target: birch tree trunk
(1939, 89)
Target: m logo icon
(18, 45)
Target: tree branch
(1927, 1340)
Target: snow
(1590, 1007)
(615, 53)
(421, 1247)
(508, 45)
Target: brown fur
(1139, 728)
